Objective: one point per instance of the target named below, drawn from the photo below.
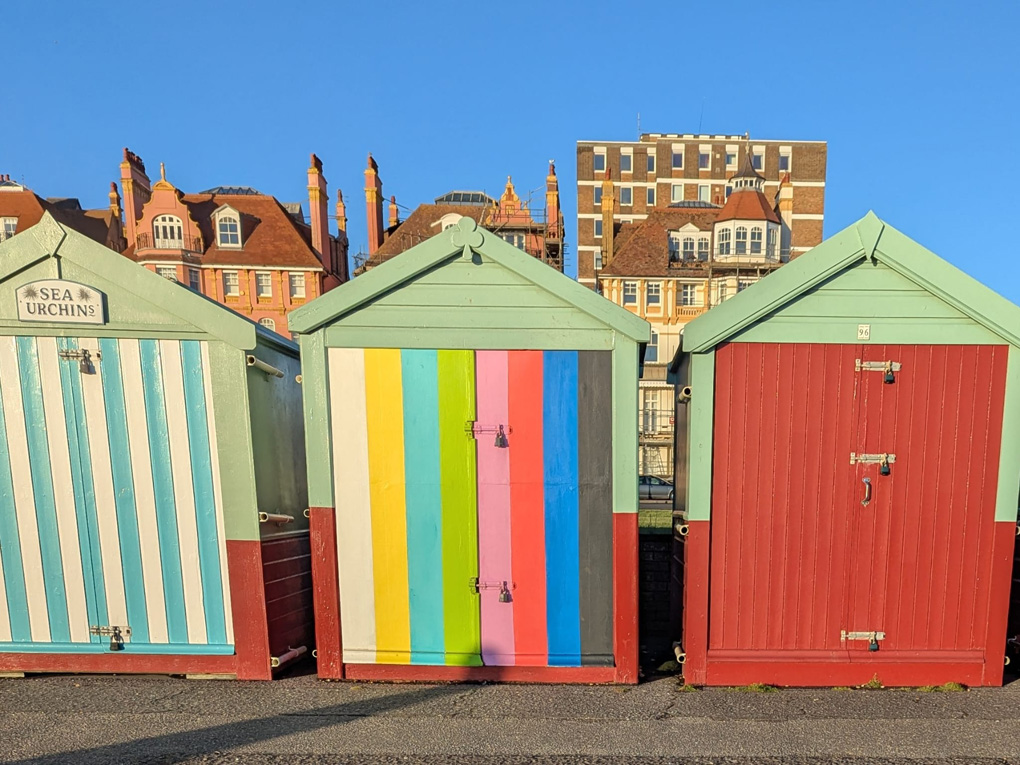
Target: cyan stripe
(559, 404)
(124, 490)
(424, 507)
(205, 500)
(84, 492)
(103, 646)
(163, 486)
(42, 486)
(14, 574)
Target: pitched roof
(642, 248)
(868, 238)
(421, 225)
(29, 209)
(747, 204)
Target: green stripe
(318, 444)
(1008, 494)
(700, 416)
(460, 507)
(625, 427)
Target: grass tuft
(756, 688)
(683, 687)
(873, 684)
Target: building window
(688, 295)
(652, 349)
(263, 284)
(702, 248)
(756, 241)
(600, 161)
(8, 227)
(729, 190)
(772, 243)
(674, 247)
(598, 195)
(704, 193)
(598, 259)
(167, 272)
(741, 286)
(650, 162)
(228, 231)
(650, 199)
(724, 242)
(167, 232)
(677, 193)
(598, 227)
(630, 293)
(626, 196)
(731, 160)
(653, 293)
(231, 285)
(194, 279)
(741, 241)
(784, 160)
(626, 162)
(758, 159)
(704, 160)
(678, 160)
(517, 240)
(297, 286)
(723, 292)
(688, 248)
(268, 324)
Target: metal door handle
(867, 491)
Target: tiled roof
(28, 208)
(747, 204)
(642, 248)
(420, 225)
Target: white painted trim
(665, 180)
(807, 216)
(695, 137)
(231, 267)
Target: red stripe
(695, 619)
(121, 663)
(1002, 566)
(515, 674)
(625, 596)
(248, 606)
(527, 507)
(326, 588)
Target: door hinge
(888, 367)
(115, 633)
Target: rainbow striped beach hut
(144, 433)
(471, 426)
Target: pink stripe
(494, 508)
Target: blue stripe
(423, 498)
(155, 649)
(84, 493)
(205, 500)
(10, 542)
(42, 486)
(559, 411)
(124, 491)
(163, 486)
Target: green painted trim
(779, 329)
(702, 416)
(108, 330)
(476, 245)
(233, 440)
(318, 441)
(510, 338)
(192, 308)
(20, 252)
(1008, 495)
(625, 427)
(450, 319)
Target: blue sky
(918, 100)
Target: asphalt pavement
(297, 720)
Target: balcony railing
(678, 259)
(146, 241)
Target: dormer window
(448, 221)
(8, 226)
(688, 248)
(741, 240)
(167, 232)
(724, 241)
(674, 247)
(228, 231)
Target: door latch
(116, 634)
(85, 359)
(882, 460)
(504, 588)
(871, 637)
(473, 428)
(888, 368)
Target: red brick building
(234, 244)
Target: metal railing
(146, 241)
(679, 259)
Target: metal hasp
(882, 460)
(504, 588)
(84, 358)
(871, 637)
(116, 635)
(887, 367)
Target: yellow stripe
(385, 409)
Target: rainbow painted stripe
(453, 550)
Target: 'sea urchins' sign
(56, 300)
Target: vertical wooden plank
(1008, 494)
(625, 597)
(5, 614)
(353, 504)
(561, 507)
(595, 488)
(315, 388)
(384, 406)
(699, 492)
(458, 474)
(424, 501)
(326, 593)
(527, 503)
(494, 564)
(625, 431)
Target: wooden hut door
(109, 467)
(922, 515)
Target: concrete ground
(300, 719)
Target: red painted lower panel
(326, 592)
(287, 574)
(625, 600)
(813, 674)
(119, 663)
(248, 606)
(695, 616)
(515, 674)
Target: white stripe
(352, 501)
(145, 499)
(217, 492)
(24, 495)
(184, 488)
(102, 485)
(5, 618)
(63, 489)
(807, 216)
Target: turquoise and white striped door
(110, 502)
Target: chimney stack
(341, 212)
(137, 192)
(318, 207)
(553, 215)
(373, 205)
(394, 212)
(608, 208)
(114, 200)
